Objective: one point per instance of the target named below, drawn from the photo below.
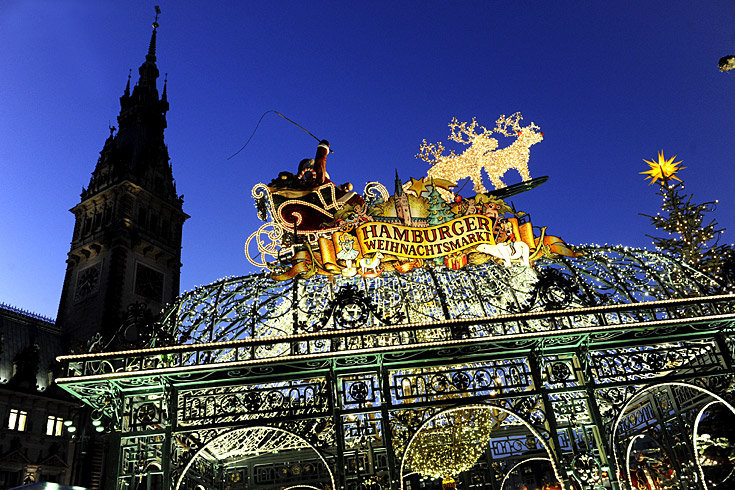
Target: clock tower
(126, 244)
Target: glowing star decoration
(419, 186)
(482, 153)
(663, 169)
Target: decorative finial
(165, 82)
(155, 21)
(127, 86)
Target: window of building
(54, 425)
(17, 420)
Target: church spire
(152, 44)
(137, 151)
(148, 70)
(399, 185)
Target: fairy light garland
(400, 327)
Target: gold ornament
(453, 442)
(417, 186)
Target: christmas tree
(689, 238)
(439, 212)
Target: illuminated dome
(463, 303)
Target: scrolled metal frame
(356, 366)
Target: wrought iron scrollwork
(351, 308)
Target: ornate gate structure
(593, 372)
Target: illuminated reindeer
(482, 153)
(454, 167)
(514, 156)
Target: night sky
(609, 84)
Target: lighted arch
(507, 473)
(481, 407)
(650, 388)
(221, 437)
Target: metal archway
(638, 396)
(695, 432)
(487, 407)
(281, 445)
(365, 363)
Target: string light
(407, 326)
(442, 447)
(135, 370)
(687, 238)
(451, 443)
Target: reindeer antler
(432, 152)
(514, 121)
(461, 129)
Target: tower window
(17, 420)
(107, 216)
(54, 425)
(142, 215)
(154, 222)
(148, 283)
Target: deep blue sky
(609, 83)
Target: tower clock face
(88, 281)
